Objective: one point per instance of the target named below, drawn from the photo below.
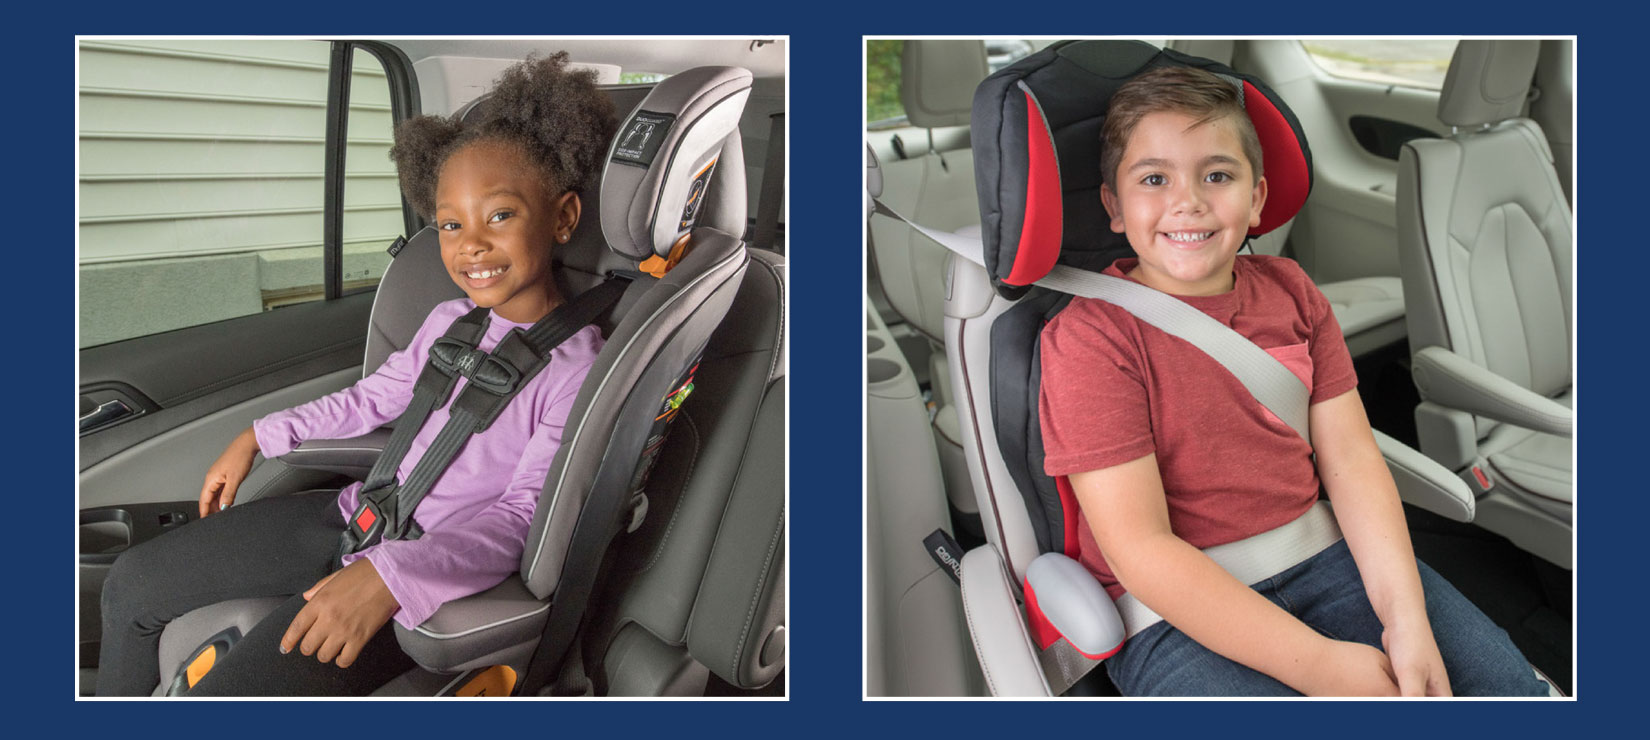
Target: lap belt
(386, 508)
(1253, 559)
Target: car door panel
(1348, 228)
(207, 384)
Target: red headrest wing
(1036, 137)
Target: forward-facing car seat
(1486, 242)
(653, 201)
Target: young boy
(1168, 453)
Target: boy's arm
(1129, 516)
(1372, 519)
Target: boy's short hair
(1188, 90)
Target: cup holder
(873, 344)
(879, 370)
(104, 534)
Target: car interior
(1438, 225)
(244, 248)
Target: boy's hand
(224, 478)
(1352, 669)
(1416, 662)
(345, 610)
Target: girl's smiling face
(1186, 197)
(497, 219)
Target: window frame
(403, 84)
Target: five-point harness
(387, 505)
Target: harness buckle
(369, 522)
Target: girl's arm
(1368, 509)
(409, 579)
(1129, 515)
(372, 402)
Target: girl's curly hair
(555, 115)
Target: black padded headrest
(1036, 136)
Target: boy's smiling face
(497, 220)
(1186, 196)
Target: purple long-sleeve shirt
(476, 516)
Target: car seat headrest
(662, 160)
(937, 80)
(1487, 81)
(1036, 137)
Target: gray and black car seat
(1486, 244)
(1038, 619)
(705, 322)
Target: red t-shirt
(1116, 389)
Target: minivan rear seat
(936, 188)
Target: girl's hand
(345, 610)
(1415, 660)
(1351, 669)
(225, 475)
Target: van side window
(201, 180)
(1407, 62)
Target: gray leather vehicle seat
(1486, 244)
(655, 334)
(1370, 310)
(936, 189)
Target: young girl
(500, 192)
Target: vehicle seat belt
(386, 508)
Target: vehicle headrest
(1487, 81)
(937, 80)
(661, 162)
(1036, 136)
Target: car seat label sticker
(641, 138)
(946, 552)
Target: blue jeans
(1326, 593)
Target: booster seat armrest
(352, 457)
(1453, 381)
(997, 627)
(1073, 601)
(1425, 483)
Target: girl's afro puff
(555, 115)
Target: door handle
(104, 413)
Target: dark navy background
(826, 367)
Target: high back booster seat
(1036, 134)
(669, 219)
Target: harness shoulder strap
(386, 509)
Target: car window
(1409, 62)
(202, 180)
(883, 108)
